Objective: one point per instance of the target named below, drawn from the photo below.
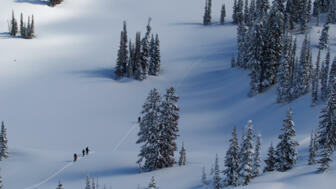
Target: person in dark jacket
(87, 150)
(75, 157)
(139, 119)
(83, 152)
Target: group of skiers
(84, 152)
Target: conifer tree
(315, 80)
(270, 160)
(13, 26)
(152, 184)
(1, 185)
(332, 12)
(204, 177)
(59, 186)
(223, 15)
(22, 31)
(326, 138)
(286, 153)
(149, 134)
(87, 186)
(217, 179)
(262, 7)
(257, 157)
(246, 13)
(3, 142)
(122, 59)
(240, 13)
(232, 161)
(241, 43)
(207, 13)
(246, 164)
(252, 13)
(312, 152)
(137, 58)
(155, 57)
(131, 60)
(318, 17)
(332, 78)
(183, 158)
(324, 38)
(235, 10)
(168, 122)
(324, 77)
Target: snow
(57, 96)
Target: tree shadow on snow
(36, 2)
(98, 73)
(5, 35)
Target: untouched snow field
(57, 96)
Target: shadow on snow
(36, 2)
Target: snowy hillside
(57, 96)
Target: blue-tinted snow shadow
(102, 73)
(5, 35)
(35, 2)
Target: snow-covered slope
(57, 95)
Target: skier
(139, 119)
(75, 157)
(87, 150)
(83, 152)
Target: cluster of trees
(243, 161)
(27, 29)
(55, 2)
(323, 142)
(3, 142)
(140, 59)
(207, 13)
(267, 48)
(159, 131)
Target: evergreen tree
(324, 38)
(271, 160)
(324, 77)
(234, 14)
(131, 60)
(262, 7)
(318, 17)
(240, 13)
(137, 58)
(122, 60)
(332, 77)
(332, 12)
(13, 26)
(232, 161)
(183, 158)
(315, 80)
(312, 152)
(152, 184)
(256, 158)
(168, 122)
(223, 15)
(207, 13)
(55, 2)
(326, 138)
(286, 153)
(217, 179)
(59, 186)
(87, 186)
(252, 13)
(22, 31)
(305, 14)
(1, 186)
(155, 57)
(246, 13)
(149, 134)
(204, 177)
(242, 44)
(245, 166)
(3, 142)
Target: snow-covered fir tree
(315, 80)
(87, 185)
(183, 156)
(304, 70)
(312, 149)
(155, 57)
(93, 184)
(270, 160)
(235, 10)
(246, 163)
(3, 142)
(131, 63)
(144, 58)
(207, 13)
(332, 12)
(137, 58)
(252, 13)
(204, 178)
(332, 78)
(324, 38)
(286, 153)
(13, 26)
(122, 60)
(305, 14)
(232, 161)
(149, 134)
(257, 157)
(326, 137)
(59, 186)
(217, 183)
(262, 7)
(240, 13)
(246, 13)
(223, 15)
(324, 77)
(168, 123)
(152, 184)
(242, 44)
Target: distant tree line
(140, 59)
(27, 29)
(207, 20)
(55, 2)
(243, 160)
